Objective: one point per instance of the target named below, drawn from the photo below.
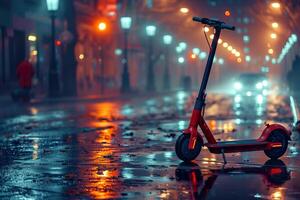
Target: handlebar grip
(197, 19)
(228, 27)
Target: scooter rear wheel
(182, 148)
(277, 136)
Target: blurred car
(251, 87)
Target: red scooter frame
(274, 138)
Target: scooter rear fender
(273, 127)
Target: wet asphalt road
(124, 149)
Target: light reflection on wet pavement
(125, 150)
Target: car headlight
(259, 99)
(238, 86)
(265, 83)
(259, 85)
(237, 99)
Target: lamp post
(167, 41)
(52, 6)
(125, 25)
(150, 31)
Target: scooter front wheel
(280, 137)
(182, 148)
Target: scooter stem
(201, 95)
(196, 118)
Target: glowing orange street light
(275, 25)
(270, 51)
(273, 35)
(227, 13)
(239, 60)
(206, 29)
(102, 26)
(275, 5)
(184, 10)
(193, 56)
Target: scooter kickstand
(223, 155)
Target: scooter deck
(237, 146)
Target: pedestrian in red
(25, 72)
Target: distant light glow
(118, 52)
(270, 51)
(258, 121)
(229, 48)
(178, 49)
(102, 26)
(181, 60)
(206, 29)
(183, 45)
(275, 5)
(238, 85)
(150, 30)
(246, 38)
(265, 83)
(249, 93)
(220, 41)
(32, 38)
(265, 92)
(221, 61)
(184, 10)
(275, 25)
(211, 36)
(259, 86)
(233, 51)
(239, 60)
(248, 58)
(227, 13)
(273, 35)
(225, 44)
(125, 22)
(259, 99)
(193, 56)
(34, 52)
(267, 58)
(52, 5)
(196, 51)
(167, 39)
(237, 99)
(202, 55)
(81, 56)
(237, 54)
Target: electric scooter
(273, 140)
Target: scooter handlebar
(214, 23)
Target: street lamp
(52, 6)
(125, 25)
(275, 5)
(150, 31)
(167, 41)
